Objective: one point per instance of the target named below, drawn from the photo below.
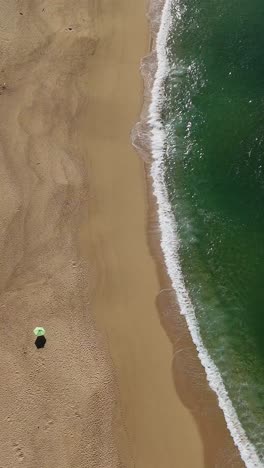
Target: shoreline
(213, 426)
(102, 391)
(153, 427)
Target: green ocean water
(214, 120)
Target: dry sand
(70, 92)
(56, 404)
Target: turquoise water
(214, 120)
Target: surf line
(170, 240)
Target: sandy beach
(76, 255)
(120, 241)
(158, 429)
(56, 403)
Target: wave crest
(170, 242)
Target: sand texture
(75, 253)
(56, 404)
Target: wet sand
(188, 374)
(70, 92)
(159, 430)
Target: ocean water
(207, 118)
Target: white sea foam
(170, 244)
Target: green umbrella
(39, 331)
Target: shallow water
(214, 121)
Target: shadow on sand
(40, 342)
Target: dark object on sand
(40, 341)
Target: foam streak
(170, 244)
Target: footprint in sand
(48, 424)
(19, 451)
